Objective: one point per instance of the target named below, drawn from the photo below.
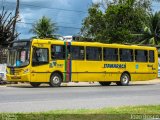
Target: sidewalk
(155, 81)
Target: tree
(94, 24)
(8, 25)
(151, 32)
(125, 19)
(44, 28)
(117, 22)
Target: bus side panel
(139, 71)
(145, 71)
(112, 76)
(113, 73)
(114, 70)
(40, 73)
(90, 71)
(156, 63)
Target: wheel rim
(55, 79)
(125, 79)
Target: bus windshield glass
(18, 54)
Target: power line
(3, 1)
(56, 26)
(71, 16)
(34, 20)
(69, 10)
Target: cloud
(155, 6)
(68, 14)
(96, 1)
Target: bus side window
(110, 54)
(77, 52)
(57, 52)
(141, 55)
(126, 55)
(94, 53)
(151, 56)
(40, 56)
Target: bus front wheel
(105, 83)
(55, 80)
(124, 80)
(35, 84)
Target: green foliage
(152, 30)
(121, 21)
(94, 24)
(6, 27)
(44, 28)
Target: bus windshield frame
(19, 54)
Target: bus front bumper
(18, 78)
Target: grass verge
(116, 113)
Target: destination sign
(114, 65)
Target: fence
(3, 55)
(3, 61)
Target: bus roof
(98, 44)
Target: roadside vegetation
(108, 21)
(44, 28)
(115, 113)
(122, 21)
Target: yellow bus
(53, 61)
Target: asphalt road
(28, 99)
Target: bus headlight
(26, 71)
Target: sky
(67, 14)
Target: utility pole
(15, 20)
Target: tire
(35, 84)
(105, 83)
(124, 80)
(55, 80)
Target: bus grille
(15, 71)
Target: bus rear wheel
(124, 80)
(105, 83)
(55, 80)
(35, 84)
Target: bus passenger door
(70, 63)
(40, 65)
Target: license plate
(16, 77)
(16, 73)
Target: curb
(155, 81)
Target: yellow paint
(83, 70)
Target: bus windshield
(18, 54)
